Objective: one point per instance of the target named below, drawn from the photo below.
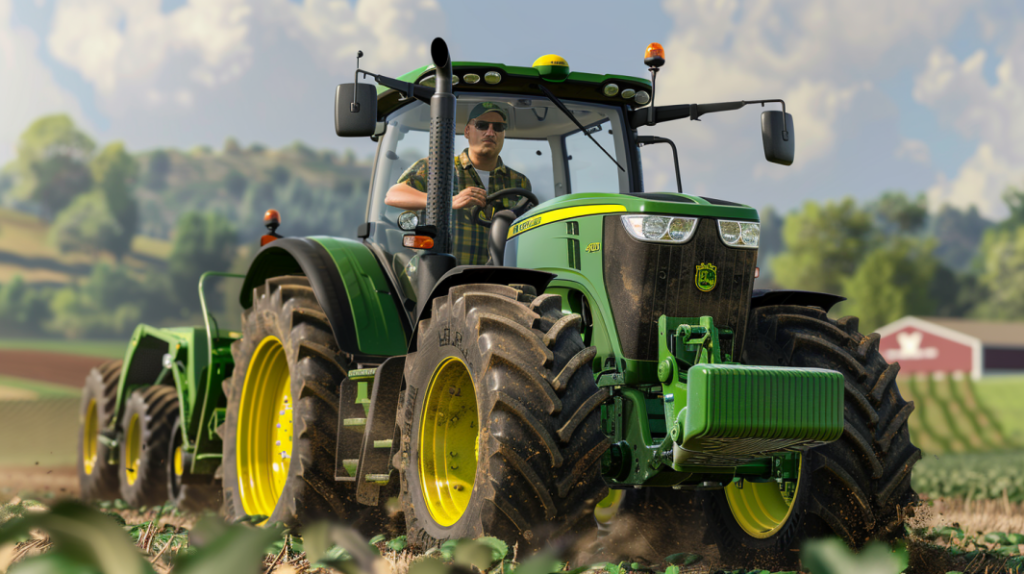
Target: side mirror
(778, 137)
(355, 110)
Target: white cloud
(989, 113)
(914, 150)
(28, 88)
(255, 69)
(821, 57)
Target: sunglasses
(498, 126)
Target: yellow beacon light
(552, 67)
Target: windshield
(540, 143)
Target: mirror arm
(660, 114)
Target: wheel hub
(449, 442)
(133, 444)
(762, 508)
(89, 437)
(263, 442)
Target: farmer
(479, 172)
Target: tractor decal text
(560, 215)
(593, 248)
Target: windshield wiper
(554, 99)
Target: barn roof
(992, 333)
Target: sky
(915, 95)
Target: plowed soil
(69, 370)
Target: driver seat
(500, 223)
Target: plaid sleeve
(416, 175)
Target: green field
(1004, 397)
(13, 388)
(89, 348)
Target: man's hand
(469, 197)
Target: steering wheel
(528, 198)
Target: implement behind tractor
(613, 341)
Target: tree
(235, 183)
(958, 234)
(1002, 273)
(108, 303)
(897, 213)
(202, 242)
(115, 173)
(157, 169)
(49, 169)
(891, 281)
(824, 245)
(89, 226)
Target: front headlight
(660, 228)
(740, 233)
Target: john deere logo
(707, 276)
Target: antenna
(355, 91)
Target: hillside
(25, 251)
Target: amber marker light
(654, 56)
(418, 242)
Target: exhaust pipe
(442, 148)
(440, 170)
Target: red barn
(953, 345)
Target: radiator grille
(646, 280)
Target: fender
(766, 297)
(348, 283)
(465, 274)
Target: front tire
(854, 488)
(501, 430)
(145, 435)
(187, 497)
(282, 410)
(97, 478)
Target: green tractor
(612, 341)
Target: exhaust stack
(442, 148)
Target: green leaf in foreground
(397, 544)
(472, 553)
(82, 536)
(831, 556)
(233, 550)
(499, 549)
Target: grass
(43, 432)
(89, 348)
(14, 388)
(1003, 396)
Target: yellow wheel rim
(263, 439)
(133, 449)
(179, 464)
(608, 507)
(89, 436)
(449, 442)
(760, 508)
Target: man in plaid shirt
(479, 172)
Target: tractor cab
(552, 112)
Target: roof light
(628, 93)
(455, 80)
(642, 98)
(471, 78)
(429, 81)
(611, 89)
(654, 55)
(492, 77)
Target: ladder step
(378, 477)
(382, 443)
(355, 422)
(350, 462)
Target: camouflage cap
(484, 107)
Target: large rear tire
(145, 435)
(97, 478)
(501, 426)
(856, 487)
(282, 410)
